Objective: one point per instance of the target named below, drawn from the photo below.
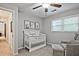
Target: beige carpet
(5, 48)
(45, 51)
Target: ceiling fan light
(45, 5)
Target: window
(67, 24)
(56, 25)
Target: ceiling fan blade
(37, 7)
(53, 10)
(46, 9)
(56, 5)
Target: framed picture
(26, 24)
(32, 25)
(37, 25)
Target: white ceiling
(65, 6)
(27, 8)
(4, 14)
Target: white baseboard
(20, 48)
(15, 54)
(48, 43)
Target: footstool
(58, 50)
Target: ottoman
(58, 50)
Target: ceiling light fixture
(45, 5)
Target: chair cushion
(57, 47)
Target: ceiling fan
(47, 5)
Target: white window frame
(63, 22)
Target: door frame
(13, 38)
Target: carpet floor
(45, 51)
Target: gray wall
(57, 37)
(25, 16)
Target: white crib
(34, 40)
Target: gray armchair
(67, 48)
(72, 50)
(62, 49)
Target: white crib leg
(29, 46)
